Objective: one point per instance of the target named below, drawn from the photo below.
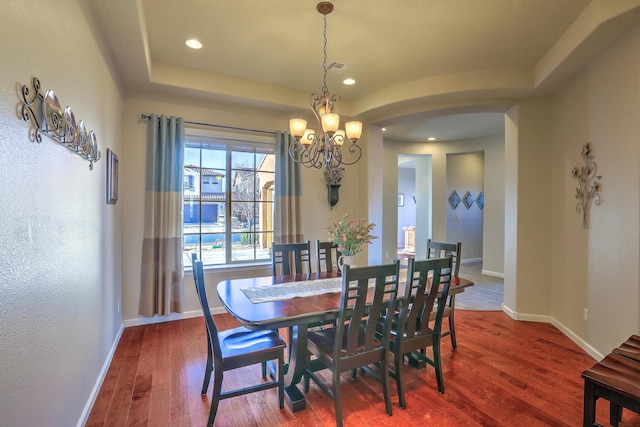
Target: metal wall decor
(468, 200)
(588, 189)
(454, 199)
(480, 200)
(47, 118)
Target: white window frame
(229, 139)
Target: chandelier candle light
(324, 148)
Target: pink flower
(350, 236)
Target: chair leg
(305, 374)
(337, 401)
(307, 381)
(398, 361)
(264, 370)
(281, 379)
(385, 385)
(438, 365)
(452, 325)
(615, 414)
(215, 396)
(207, 371)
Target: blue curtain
(288, 215)
(161, 290)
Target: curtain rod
(147, 117)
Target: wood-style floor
(486, 294)
(504, 373)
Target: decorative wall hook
(589, 185)
(49, 119)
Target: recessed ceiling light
(193, 44)
(431, 138)
(349, 81)
(384, 129)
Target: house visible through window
(228, 199)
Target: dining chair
(353, 343)
(443, 250)
(410, 331)
(327, 254)
(236, 348)
(291, 258)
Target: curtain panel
(161, 290)
(288, 194)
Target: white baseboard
(138, 321)
(509, 312)
(492, 273)
(579, 341)
(562, 328)
(126, 324)
(483, 271)
(103, 373)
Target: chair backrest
(367, 292)
(291, 258)
(212, 331)
(425, 278)
(443, 250)
(327, 254)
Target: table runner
(289, 290)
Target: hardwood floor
(504, 373)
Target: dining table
(295, 302)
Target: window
(188, 182)
(228, 212)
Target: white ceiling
(447, 68)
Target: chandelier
(324, 148)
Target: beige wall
(59, 241)
(528, 216)
(465, 172)
(492, 244)
(315, 208)
(67, 258)
(597, 269)
(554, 269)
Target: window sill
(233, 267)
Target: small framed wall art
(112, 177)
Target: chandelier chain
(325, 89)
(326, 146)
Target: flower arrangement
(350, 236)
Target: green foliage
(350, 236)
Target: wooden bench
(630, 348)
(615, 378)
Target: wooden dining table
(296, 314)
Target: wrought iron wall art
(468, 200)
(454, 199)
(47, 118)
(588, 189)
